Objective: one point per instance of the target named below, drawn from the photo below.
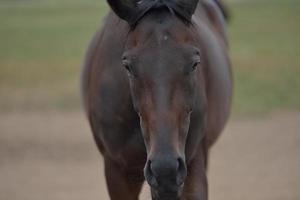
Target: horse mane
(183, 9)
(179, 8)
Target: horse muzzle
(165, 175)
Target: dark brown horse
(157, 92)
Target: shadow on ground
(52, 156)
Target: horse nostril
(149, 174)
(162, 172)
(182, 172)
(180, 164)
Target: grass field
(42, 45)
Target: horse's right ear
(129, 10)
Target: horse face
(164, 70)
(161, 63)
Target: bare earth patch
(51, 155)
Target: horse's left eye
(196, 61)
(191, 67)
(195, 65)
(126, 64)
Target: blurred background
(46, 147)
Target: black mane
(182, 9)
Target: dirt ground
(52, 156)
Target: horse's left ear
(184, 8)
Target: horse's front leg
(195, 187)
(121, 183)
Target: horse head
(166, 76)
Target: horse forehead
(163, 38)
(171, 35)
(164, 43)
(160, 32)
(153, 37)
(162, 55)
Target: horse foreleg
(120, 183)
(196, 187)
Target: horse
(157, 87)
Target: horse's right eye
(195, 65)
(127, 65)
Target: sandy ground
(52, 156)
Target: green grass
(42, 44)
(265, 49)
(42, 47)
